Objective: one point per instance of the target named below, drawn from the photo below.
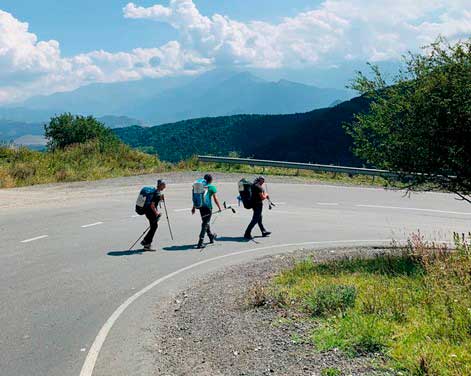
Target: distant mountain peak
(243, 78)
(287, 83)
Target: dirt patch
(212, 329)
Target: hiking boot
(148, 248)
(212, 238)
(266, 233)
(200, 245)
(248, 237)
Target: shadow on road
(186, 247)
(238, 239)
(127, 252)
(190, 247)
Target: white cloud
(30, 67)
(336, 31)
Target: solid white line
(414, 209)
(33, 239)
(328, 203)
(92, 356)
(182, 210)
(135, 216)
(92, 224)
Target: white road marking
(181, 210)
(414, 209)
(135, 216)
(92, 356)
(33, 239)
(328, 203)
(92, 224)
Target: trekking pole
(168, 222)
(225, 208)
(270, 203)
(140, 237)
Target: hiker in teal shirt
(206, 211)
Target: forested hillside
(316, 136)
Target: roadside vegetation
(87, 161)
(93, 161)
(419, 123)
(79, 148)
(411, 308)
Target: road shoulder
(211, 329)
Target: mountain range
(155, 101)
(221, 93)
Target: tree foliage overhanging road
(420, 124)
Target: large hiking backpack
(245, 193)
(144, 199)
(200, 187)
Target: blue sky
(50, 46)
(85, 25)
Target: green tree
(419, 125)
(67, 129)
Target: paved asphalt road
(64, 267)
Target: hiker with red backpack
(147, 204)
(252, 196)
(204, 192)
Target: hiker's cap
(161, 181)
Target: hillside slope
(315, 136)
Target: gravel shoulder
(212, 329)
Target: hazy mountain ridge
(11, 130)
(24, 133)
(156, 101)
(229, 94)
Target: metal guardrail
(298, 166)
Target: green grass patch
(413, 308)
(331, 299)
(331, 372)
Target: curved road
(65, 274)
